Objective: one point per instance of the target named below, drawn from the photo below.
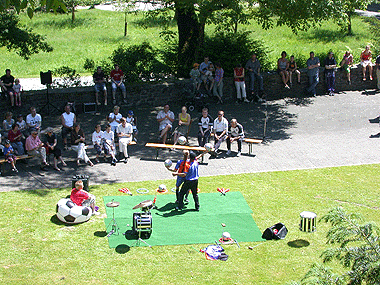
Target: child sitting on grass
(81, 197)
(9, 155)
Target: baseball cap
(130, 113)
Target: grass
(95, 34)
(36, 250)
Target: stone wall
(156, 94)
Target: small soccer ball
(226, 235)
(168, 163)
(70, 213)
(208, 146)
(162, 188)
(182, 140)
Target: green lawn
(95, 34)
(36, 250)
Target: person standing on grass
(181, 167)
(191, 182)
(330, 66)
(117, 77)
(100, 85)
(313, 73)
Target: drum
(308, 222)
(142, 223)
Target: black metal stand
(48, 104)
(114, 228)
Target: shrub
(139, 62)
(89, 64)
(232, 48)
(67, 77)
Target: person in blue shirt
(9, 155)
(191, 182)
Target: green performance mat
(172, 227)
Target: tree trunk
(188, 38)
(349, 26)
(73, 14)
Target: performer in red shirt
(81, 197)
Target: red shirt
(116, 75)
(78, 196)
(12, 135)
(239, 72)
(184, 167)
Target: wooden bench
(91, 146)
(19, 157)
(158, 146)
(250, 142)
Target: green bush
(231, 48)
(67, 77)
(139, 62)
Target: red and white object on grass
(126, 191)
(223, 191)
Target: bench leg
(157, 153)
(250, 148)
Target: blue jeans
(19, 149)
(313, 82)
(252, 77)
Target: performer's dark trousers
(238, 142)
(186, 186)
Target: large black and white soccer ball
(70, 213)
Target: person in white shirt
(165, 118)
(109, 144)
(68, 119)
(220, 130)
(33, 120)
(114, 118)
(124, 132)
(97, 137)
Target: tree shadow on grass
(65, 23)
(324, 35)
(298, 243)
(153, 22)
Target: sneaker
(370, 78)
(105, 103)
(246, 100)
(178, 208)
(96, 213)
(239, 153)
(228, 152)
(186, 200)
(125, 160)
(96, 208)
